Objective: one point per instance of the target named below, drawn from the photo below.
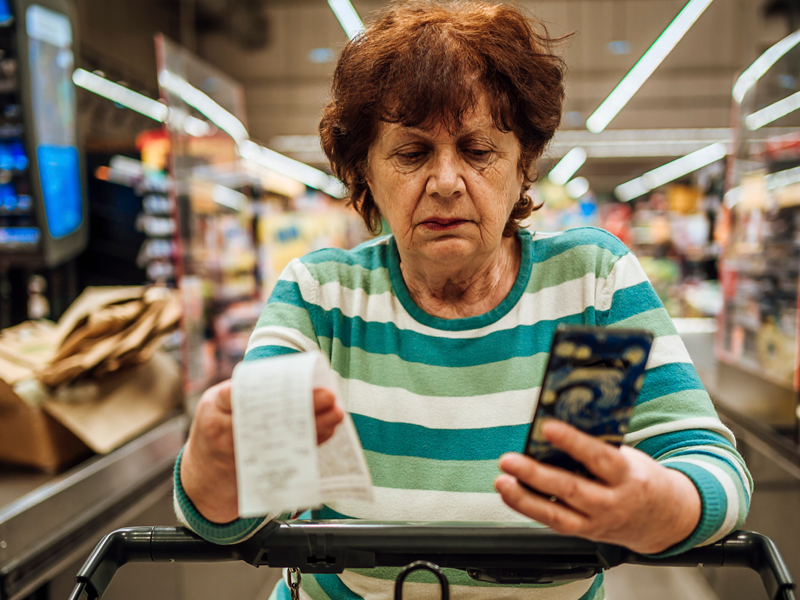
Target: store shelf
(754, 369)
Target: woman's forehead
(477, 120)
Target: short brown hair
(424, 61)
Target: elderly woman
(438, 333)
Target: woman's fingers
(578, 492)
(326, 424)
(324, 400)
(222, 396)
(603, 460)
(559, 516)
(327, 414)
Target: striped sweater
(436, 402)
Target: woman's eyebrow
(481, 129)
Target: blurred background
(160, 165)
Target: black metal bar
(504, 553)
(740, 549)
(144, 544)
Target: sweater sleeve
(674, 420)
(285, 327)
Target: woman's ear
(366, 168)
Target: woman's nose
(445, 178)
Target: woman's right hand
(208, 467)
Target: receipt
(279, 466)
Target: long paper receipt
(279, 466)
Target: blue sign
(61, 188)
(19, 236)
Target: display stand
(760, 233)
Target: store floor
(630, 582)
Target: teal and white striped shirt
(437, 401)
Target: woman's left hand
(635, 502)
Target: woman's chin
(449, 249)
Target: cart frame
(499, 553)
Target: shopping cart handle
(502, 553)
(145, 544)
(739, 549)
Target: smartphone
(592, 379)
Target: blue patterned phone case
(592, 379)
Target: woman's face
(447, 197)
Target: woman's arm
(682, 450)
(206, 498)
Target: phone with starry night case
(592, 380)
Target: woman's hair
(423, 62)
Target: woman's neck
(466, 290)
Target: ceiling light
(781, 179)
(567, 166)
(121, 95)
(223, 119)
(773, 112)
(228, 197)
(631, 189)
(648, 63)
(577, 187)
(248, 149)
(732, 197)
(196, 127)
(670, 172)
(348, 17)
(292, 168)
(321, 55)
(618, 47)
(762, 64)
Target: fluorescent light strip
(773, 112)
(248, 149)
(781, 179)
(228, 197)
(732, 197)
(295, 169)
(196, 127)
(762, 64)
(631, 189)
(567, 166)
(348, 17)
(121, 95)
(650, 60)
(223, 119)
(577, 187)
(670, 172)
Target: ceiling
(285, 89)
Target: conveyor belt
(55, 523)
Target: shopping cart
(493, 552)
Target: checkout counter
(49, 524)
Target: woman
(439, 333)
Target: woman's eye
(411, 157)
(478, 153)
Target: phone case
(592, 379)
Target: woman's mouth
(442, 224)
